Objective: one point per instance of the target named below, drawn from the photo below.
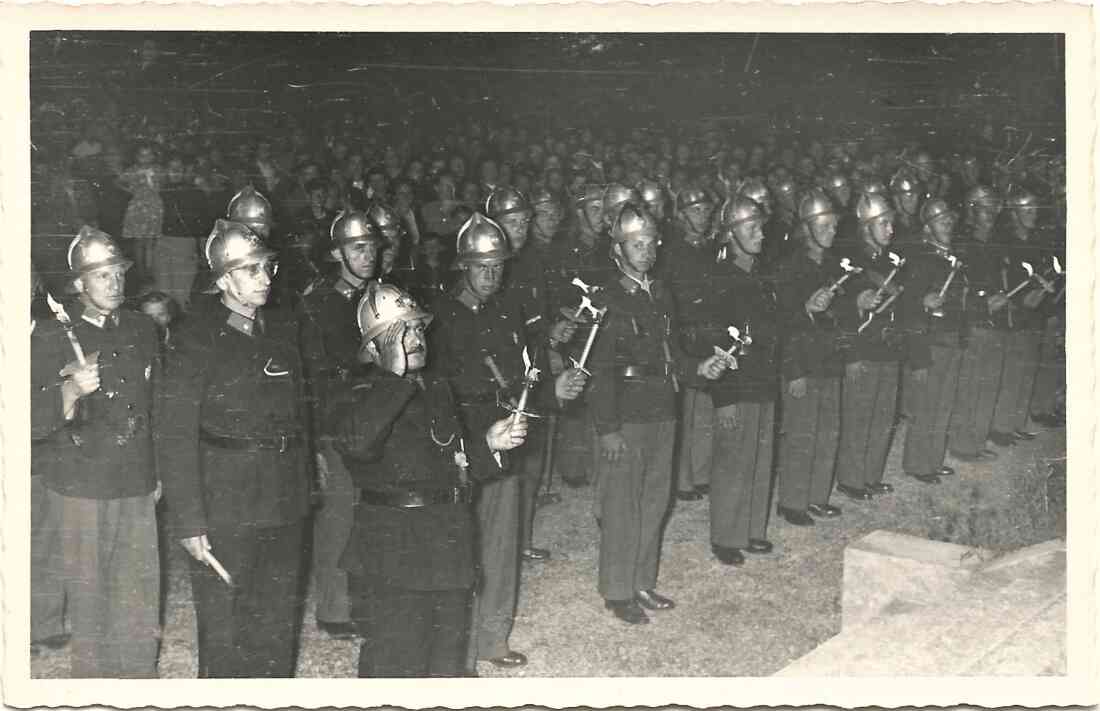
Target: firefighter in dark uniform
(839, 189)
(905, 192)
(478, 338)
(411, 558)
(935, 322)
(744, 399)
(811, 367)
(687, 268)
(636, 364)
(780, 238)
(987, 319)
(526, 283)
(873, 359)
(235, 464)
(1025, 319)
(94, 393)
(396, 263)
(330, 342)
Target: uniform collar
(346, 289)
(100, 319)
(633, 286)
(240, 321)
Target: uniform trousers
(1050, 382)
(696, 455)
(808, 445)
(867, 405)
(933, 400)
(635, 492)
(530, 461)
(574, 455)
(331, 529)
(175, 263)
(740, 484)
(409, 633)
(976, 393)
(250, 630)
(111, 574)
(494, 606)
(47, 590)
(1017, 382)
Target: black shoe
(945, 471)
(983, 455)
(547, 498)
(794, 517)
(338, 630)
(575, 482)
(629, 611)
(727, 555)
(1002, 439)
(535, 554)
(1050, 420)
(759, 546)
(926, 478)
(510, 660)
(1024, 436)
(854, 493)
(652, 600)
(703, 489)
(824, 510)
(692, 495)
(56, 641)
(880, 488)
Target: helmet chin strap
(813, 235)
(645, 283)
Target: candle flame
(1028, 268)
(846, 264)
(1057, 264)
(57, 308)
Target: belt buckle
(283, 444)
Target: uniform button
(122, 379)
(129, 406)
(115, 354)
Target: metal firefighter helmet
(813, 204)
(982, 195)
(382, 305)
(872, 206)
(591, 192)
(251, 208)
(386, 220)
(232, 245)
(756, 191)
(651, 191)
(933, 210)
(483, 241)
(545, 199)
(837, 181)
(614, 197)
(872, 186)
(740, 210)
(634, 221)
(353, 227)
(93, 249)
(506, 201)
(903, 183)
(1021, 197)
(692, 196)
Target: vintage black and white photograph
(466, 354)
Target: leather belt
(489, 398)
(279, 443)
(643, 371)
(416, 498)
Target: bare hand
(797, 388)
(996, 302)
(727, 416)
(933, 301)
(84, 378)
(322, 471)
(612, 446)
(507, 433)
(819, 301)
(197, 547)
(713, 367)
(562, 331)
(391, 349)
(868, 299)
(855, 369)
(570, 384)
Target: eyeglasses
(254, 270)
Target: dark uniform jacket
(688, 271)
(983, 272)
(106, 451)
(525, 282)
(811, 345)
(1014, 252)
(927, 270)
(633, 372)
(226, 383)
(395, 435)
(330, 338)
(592, 265)
(745, 300)
(883, 339)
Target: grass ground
(748, 621)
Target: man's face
(359, 258)
(943, 229)
(389, 253)
(471, 195)
(317, 198)
(175, 171)
(1028, 216)
(158, 311)
(593, 213)
(908, 202)
(698, 216)
(102, 289)
(433, 250)
(484, 280)
(548, 219)
(555, 180)
(983, 216)
(403, 195)
(516, 225)
(823, 228)
(750, 236)
(416, 344)
(881, 231)
(841, 193)
(146, 157)
(249, 285)
(489, 172)
(656, 207)
(377, 183)
(310, 172)
(639, 252)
